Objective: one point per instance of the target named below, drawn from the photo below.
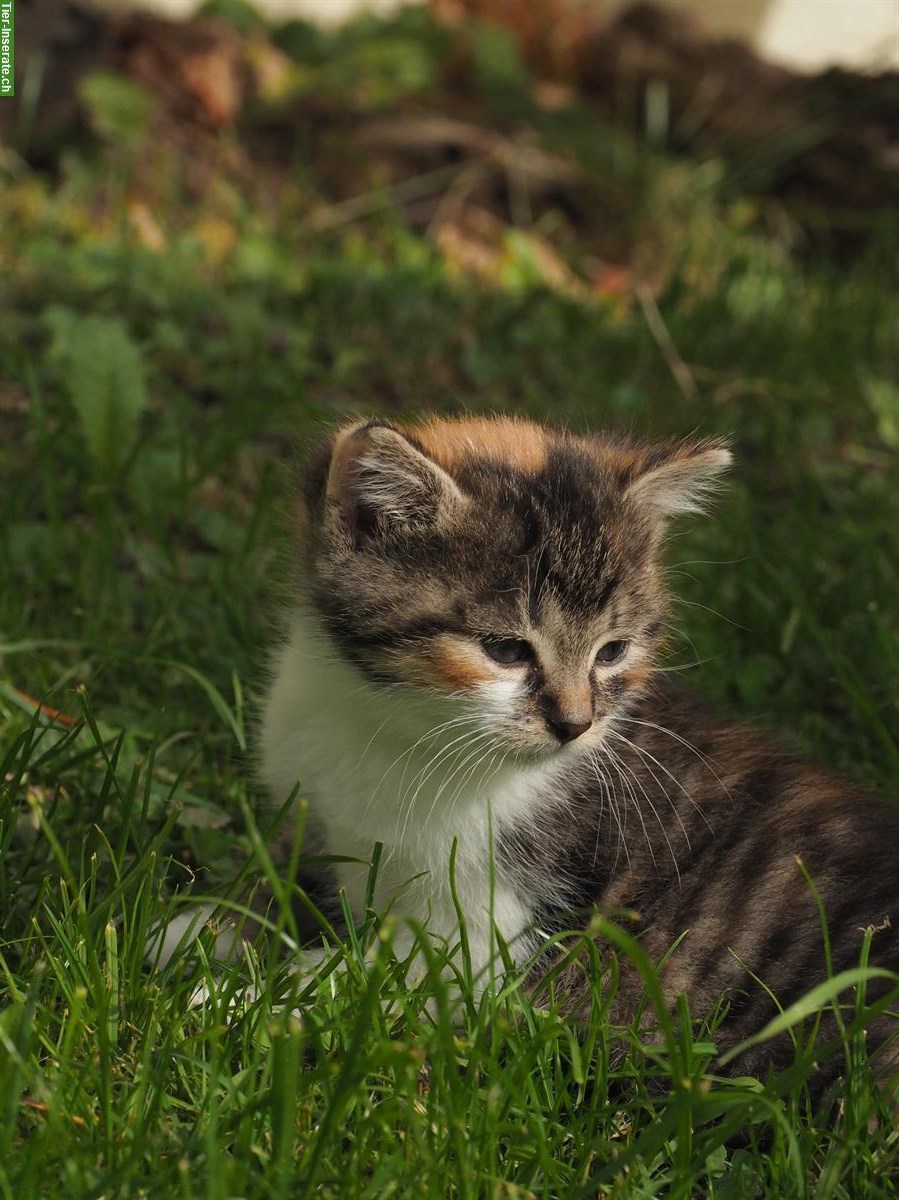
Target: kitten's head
(500, 562)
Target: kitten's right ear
(379, 480)
(680, 478)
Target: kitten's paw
(307, 966)
(238, 1001)
(167, 940)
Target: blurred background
(225, 227)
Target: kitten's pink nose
(567, 731)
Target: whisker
(432, 733)
(447, 753)
(606, 795)
(685, 666)
(473, 750)
(638, 781)
(484, 753)
(707, 608)
(645, 754)
(368, 744)
(684, 637)
(703, 758)
(421, 776)
(713, 562)
(428, 768)
(616, 762)
(503, 758)
(435, 731)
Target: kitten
(480, 606)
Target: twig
(365, 205)
(52, 714)
(657, 327)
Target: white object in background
(804, 35)
(812, 34)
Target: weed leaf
(104, 377)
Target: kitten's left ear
(682, 478)
(378, 477)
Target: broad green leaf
(104, 375)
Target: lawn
(154, 392)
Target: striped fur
(429, 550)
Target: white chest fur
(414, 772)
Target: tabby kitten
(480, 605)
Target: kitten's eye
(612, 652)
(508, 651)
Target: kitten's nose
(567, 731)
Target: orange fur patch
(456, 667)
(620, 459)
(450, 442)
(636, 676)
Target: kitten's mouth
(550, 752)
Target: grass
(149, 408)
